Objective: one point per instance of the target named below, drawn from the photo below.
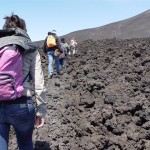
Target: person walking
(63, 56)
(73, 45)
(17, 107)
(52, 48)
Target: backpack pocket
(51, 41)
(7, 87)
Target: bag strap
(7, 32)
(25, 77)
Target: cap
(54, 31)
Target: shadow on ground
(42, 145)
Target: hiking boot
(50, 76)
(60, 73)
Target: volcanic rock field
(102, 100)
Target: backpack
(11, 76)
(51, 41)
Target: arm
(39, 89)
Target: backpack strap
(25, 77)
(7, 32)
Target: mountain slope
(134, 27)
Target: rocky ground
(102, 100)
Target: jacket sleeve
(38, 85)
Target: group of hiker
(57, 50)
(22, 89)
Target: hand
(45, 55)
(39, 122)
(57, 52)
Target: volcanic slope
(102, 100)
(134, 27)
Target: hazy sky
(66, 16)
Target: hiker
(63, 56)
(20, 64)
(52, 48)
(73, 45)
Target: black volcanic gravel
(102, 100)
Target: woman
(20, 113)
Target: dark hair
(63, 40)
(23, 24)
(14, 22)
(49, 33)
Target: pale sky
(66, 16)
